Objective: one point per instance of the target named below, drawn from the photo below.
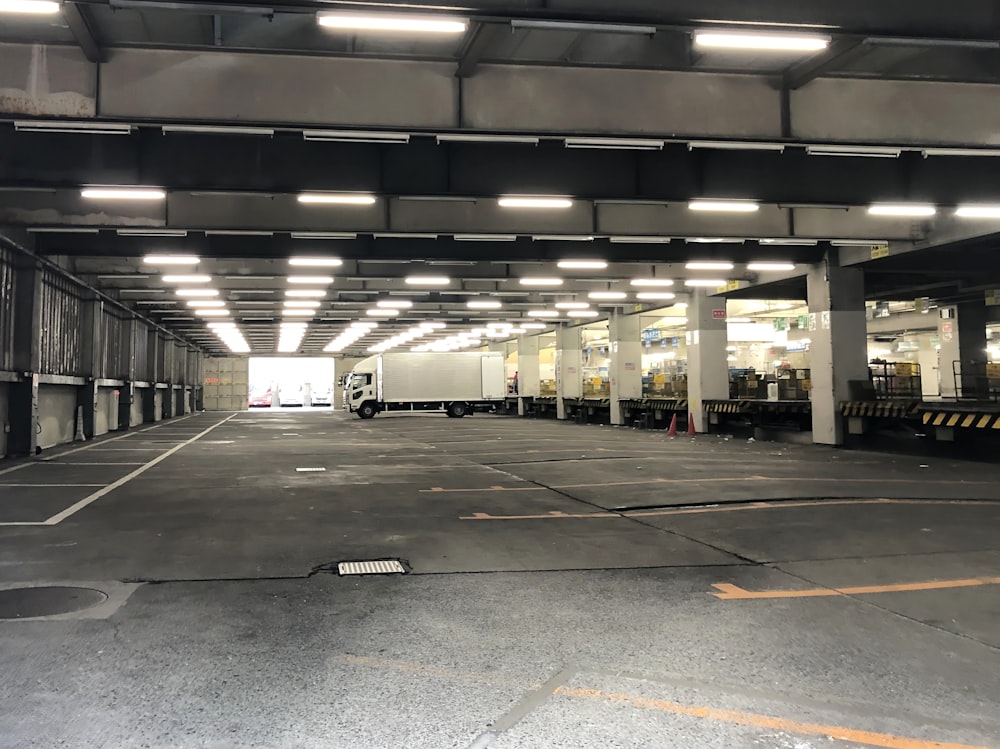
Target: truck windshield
(360, 380)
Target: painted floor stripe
(75, 508)
(756, 720)
(730, 592)
(50, 486)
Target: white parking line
(48, 486)
(75, 508)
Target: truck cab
(361, 389)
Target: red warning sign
(718, 314)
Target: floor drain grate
(376, 567)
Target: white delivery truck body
(456, 382)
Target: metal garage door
(226, 382)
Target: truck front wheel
(367, 410)
(458, 410)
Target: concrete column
(90, 335)
(625, 370)
(708, 370)
(22, 410)
(839, 352)
(528, 376)
(569, 358)
(962, 332)
(127, 393)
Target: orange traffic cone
(672, 431)
(691, 430)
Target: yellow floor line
(730, 592)
(755, 720)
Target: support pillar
(839, 352)
(528, 375)
(569, 358)
(625, 370)
(90, 335)
(127, 393)
(708, 369)
(23, 395)
(962, 332)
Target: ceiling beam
(480, 39)
(82, 27)
(840, 52)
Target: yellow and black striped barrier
(881, 409)
(962, 419)
(727, 407)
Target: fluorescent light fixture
(355, 136)
(473, 138)
(330, 198)
(583, 26)
(122, 193)
(394, 303)
(197, 292)
(306, 293)
(382, 312)
(611, 296)
(56, 126)
(540, 281)
(218, 129)
(858, 242)
(724, 206)
(474, 304)
(562, 238)
(572, 305)
(533, 325)
(762, 42)
(870, 152)
(978, 211)
(704, 282)
(315, 262)
(770, 266)
(790, 242)
(151, 232)
(652, 282)
(34, 7)
(187, 279)
(739, 320)
(529, 202)
(655, 295)
(734, 145)
(322, 235)
(640, 240)
(310, 279)
(709, 266)
(973, 152)
(204, 303)
(212, 312)
(708, 240)
(485, 237)
(902, 210)
(298, 312)
(615, 144)
(583, 313)
(542, 313)
(303, 304)
(428, 280)
(426, 24)
(583, 264)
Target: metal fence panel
(61, 307)
(112, 353)
(140, 349)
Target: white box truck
(456, 382)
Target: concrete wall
(56, 414)
(4, 388)
(158, 397)
(226, 383)
(103, 418)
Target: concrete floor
(571, 586)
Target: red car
(261, 400)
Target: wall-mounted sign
(718, 314)
(824, 319)
(880, 251)
(993, 298)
